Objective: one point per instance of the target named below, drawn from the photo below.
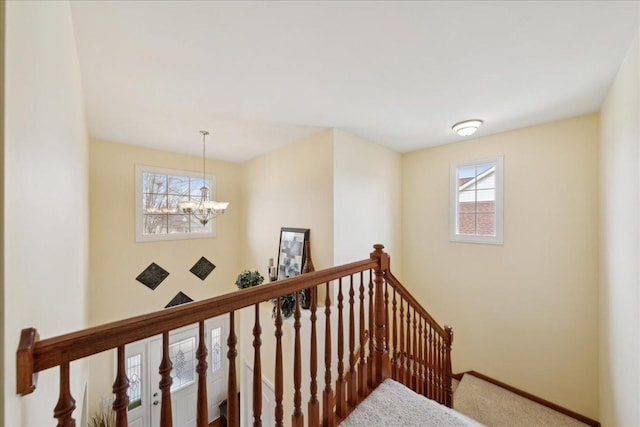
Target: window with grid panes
(158, 194)
(476, 201)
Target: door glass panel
(216, 349)
(134, 374)
(182, 354)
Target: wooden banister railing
(421, 357)
(421, 349)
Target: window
(476, 202)
(158, 194)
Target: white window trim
(140, 237)
(453, 209)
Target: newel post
(26, 379)
(381, 353)
(448, 390)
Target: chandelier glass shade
(205, 209)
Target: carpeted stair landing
(495, 406)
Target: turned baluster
(257, 370)
(427, 361)
(232, 387)
(436, 385)
(120, 386)
(340, 389)
(422, 387)
(416, 359)
(448, 386)
(372, 316)
(443, 374)
(418, 351)
(410, 361)
(66, 403)
(353, 397)
(439, 369)
(202, 418)
(165, 383)
(425, 339)
(327, 394)
(279, 388)
(403, 354)
(442, 370)
(386, 314)
(362, 368)
(432, 389)
(314, 405)
(297, 419)
(394, 359)
(427, 387)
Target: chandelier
(204, 210)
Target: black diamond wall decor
(180, 298)
(152, 276)
(202, 268)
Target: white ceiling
(260, 75)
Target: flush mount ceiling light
(205, 209)
(467, 127)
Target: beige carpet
(393, 405)
(494, 406)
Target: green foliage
(105, 417)
(288, 304)
(249, 279)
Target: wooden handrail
(76, 345)
(414, 303)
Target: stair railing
(427, 370)
(421, 349)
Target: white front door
(183, 344)
(139, 403)
(143, 359)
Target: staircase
(498, 405)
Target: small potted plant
(249, 279)
(288, 304)
(105, 417)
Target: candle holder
(273, 271)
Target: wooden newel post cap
(379, 254)
(26, 379)
(449, 330)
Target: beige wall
(289, 187)
(620, 247)
(116, 259)
(46, 192)
(367, 193)
(525, 312)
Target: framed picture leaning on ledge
(291, 251)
